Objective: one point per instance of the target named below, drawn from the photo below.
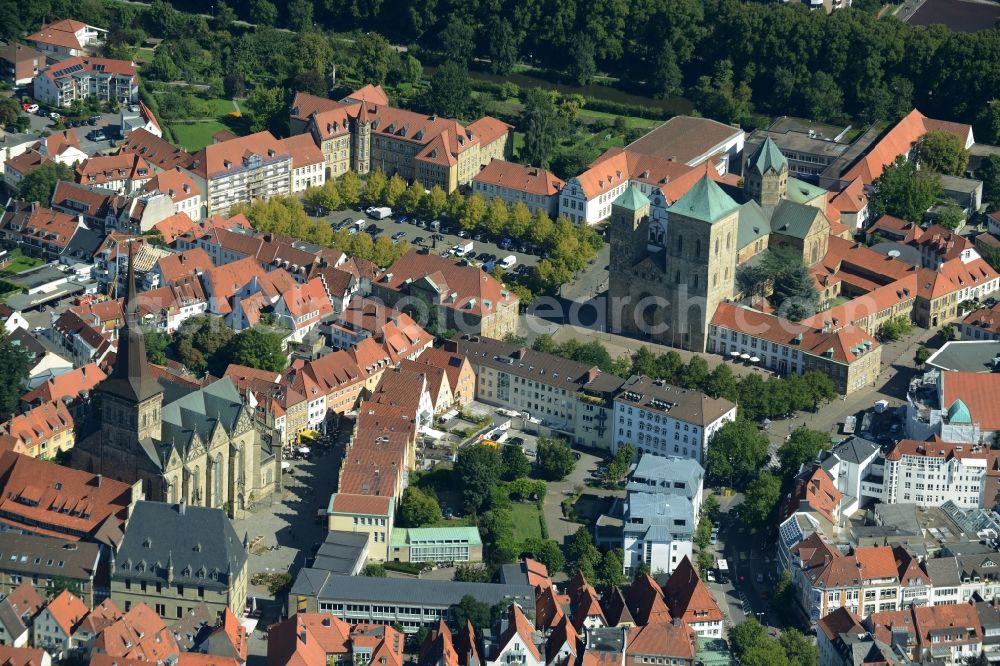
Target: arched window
(680, 244)
(716, 247)
(729, 240)
(697, 248)
(677, 277)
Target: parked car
(396, 236)
(54, 116)
(31, 108)
(96, 135)
(418, 240)
(463, 234)
(506, 243)
(94, 120)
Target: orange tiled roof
(489, 129)
(304, 105)
(67, 610)
(176, 267)
(980, 391)
(58, 33)
(139, 634)
(156, 150)
(689, 598)
(301, 299)
(645, 603)
(904, 230)
(27, 162)
(303, 150)
(103, 169)
(69, 384)
(985, 318)
(659, 639)
(817, 491)
(175, 183)
(222, 159)
(36, 425)
(518, 625)
(369, 505)
(526, 179)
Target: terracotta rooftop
(369, 505)
(175, 183)
(303, 150)
(59, 33)
(156, 150)
(689, 598)
(525, 179)
(673, 640)
(69, 384)
(980, 391)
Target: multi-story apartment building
(668, 476)
(171, 567)
(536, 188)
(657, 531)
(250, 167)
(856, 467)
(957, 579)
(308, 165)
(565, 397)
(42, 431)
(182, 189)
(124, 173)
(76, 79)
(932, 473)
(19, 64)
(43, 562)
(665, 420)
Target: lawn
(195, 135)
(526, 523)
(21, 262)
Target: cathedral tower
(765, 179)
(131, 399)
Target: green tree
(254, 348)
(471, 610)
(503, 49)
(667, 78)
(478, 469)
(61, 583)
(375, 57)
(470, 572)
(457, 39)
(515, 463)
(800, 650)
(418, 508)
(474, 213)
(413, 71)
(266, 109)
(157, 343)
(582, 59)
(555, 459)
(921, 355)
(610, 572)
(394, 189)
(894, 329)
(263, 12)
(449, 93)
(904, 191)
(412, 198)
(582, 554)
(802, 446)
(14, 367)
(943, 152)
(375, 186)
(41, 183)
(950, 215)
(497, 217)
(543, 129)
(619, 464)
(736, 452)
(374, 570)
(989, 173)
(300, 15)
(435, 202)
(162, 67)
(760, 500)
(349, 187)
(546, 551)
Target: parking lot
(109, 122)
(436, 242)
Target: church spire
(130, 376)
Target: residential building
(565, 397)
(436, 544)
(137, 635)
(159, 152)
(251, 167)
(981, 324)
(206, 565)
(24, 656)
(536, 188)
(76, 79)
(43, 562)
(18, 609)
(657, 531)
(136, 117)
(62, 147)
(932, 473)
(17, 167)
(856, 468)
(73, 385)
(458, 373)
(369, 514)
(40, 231)
(318, 638)
(55, 625)
(668, 476)
(42, 431)
(666, 420)
(36, 492)
(279, 409)
(65, 37)
(412, 602)
(124, 173)
(660, 642)
(182, 189)
(843, 641)
(690, 601)
(228, 639)
(19, 64)
(849, 356)
(308, 166)
(463, 298)
(945, 634)
(301, 308)
(331, 384)
(515, 642)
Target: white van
(508, 262)
(380, 213)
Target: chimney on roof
(181, 507)
(97, 480)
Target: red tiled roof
(66, 503)
(936, 449)
(985, 318)
(899, 141)
(27, 162)
(645, 603)
(175, 183)
(23, 656)
(50, 226)
(67, 610)
(139, 634)
(659, 639)
(980, 391)
(817, 491)
(59, 33)
(489, 129)
(517, 624)
(840, 621)
(304, 105)
(57, 142)
(369, 93)
(36, 425)
(529, 180)
(851, 199)
(303, 150)
(689, 598)
(895, 227)
(369, 505)
(222, 159)
(103, 169)
(69, 384)
(198, 659)
(156, 150)
(302, 299)
(176, 267)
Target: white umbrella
(745, 357)
(734, 353)
(303, 449)
(285, 464)
(754, 359)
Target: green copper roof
(632, 198)
(705, 201)
(793, 219)
(442, 535)
(959, 413)
(768, 157)
(800, 191)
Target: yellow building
(367, 514)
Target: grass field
(21, 262)
(195, 135)
(526, 523)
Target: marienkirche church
(198, 446)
